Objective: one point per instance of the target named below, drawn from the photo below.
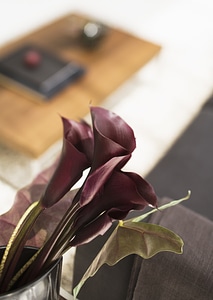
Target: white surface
(158, 102)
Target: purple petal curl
(122, 193)
(75, 158)
(112, 136)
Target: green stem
(16, 243)
(63, 244)
(47, 253)
(21, 271)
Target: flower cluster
(107, 194)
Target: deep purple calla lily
(114, 142)
(75, 158)
(98, 178)
(107, 194)
(122, 193)
(112, 136)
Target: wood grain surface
(32, 126)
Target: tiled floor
(158, 102)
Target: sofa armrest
(170, 276)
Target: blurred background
(159, 101)
(166, 99)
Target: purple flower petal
(79, 134)
(114, 142)
(112, 136)
(75, 158)
(122, 193)
(98, 178)
(144, 188)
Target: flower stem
(21, 271)
(53, 247)
(16, 243)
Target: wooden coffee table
(33, 126)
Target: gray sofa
(166, 276)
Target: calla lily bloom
(112, 136)
(98, 177)
(123, 192)
(107, 194)
(114, 142)
(75, 158)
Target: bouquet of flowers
(54, 217)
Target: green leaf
(143, 239)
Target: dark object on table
(87, 33)
(37, 70)
(92, 33)
(32, 59)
